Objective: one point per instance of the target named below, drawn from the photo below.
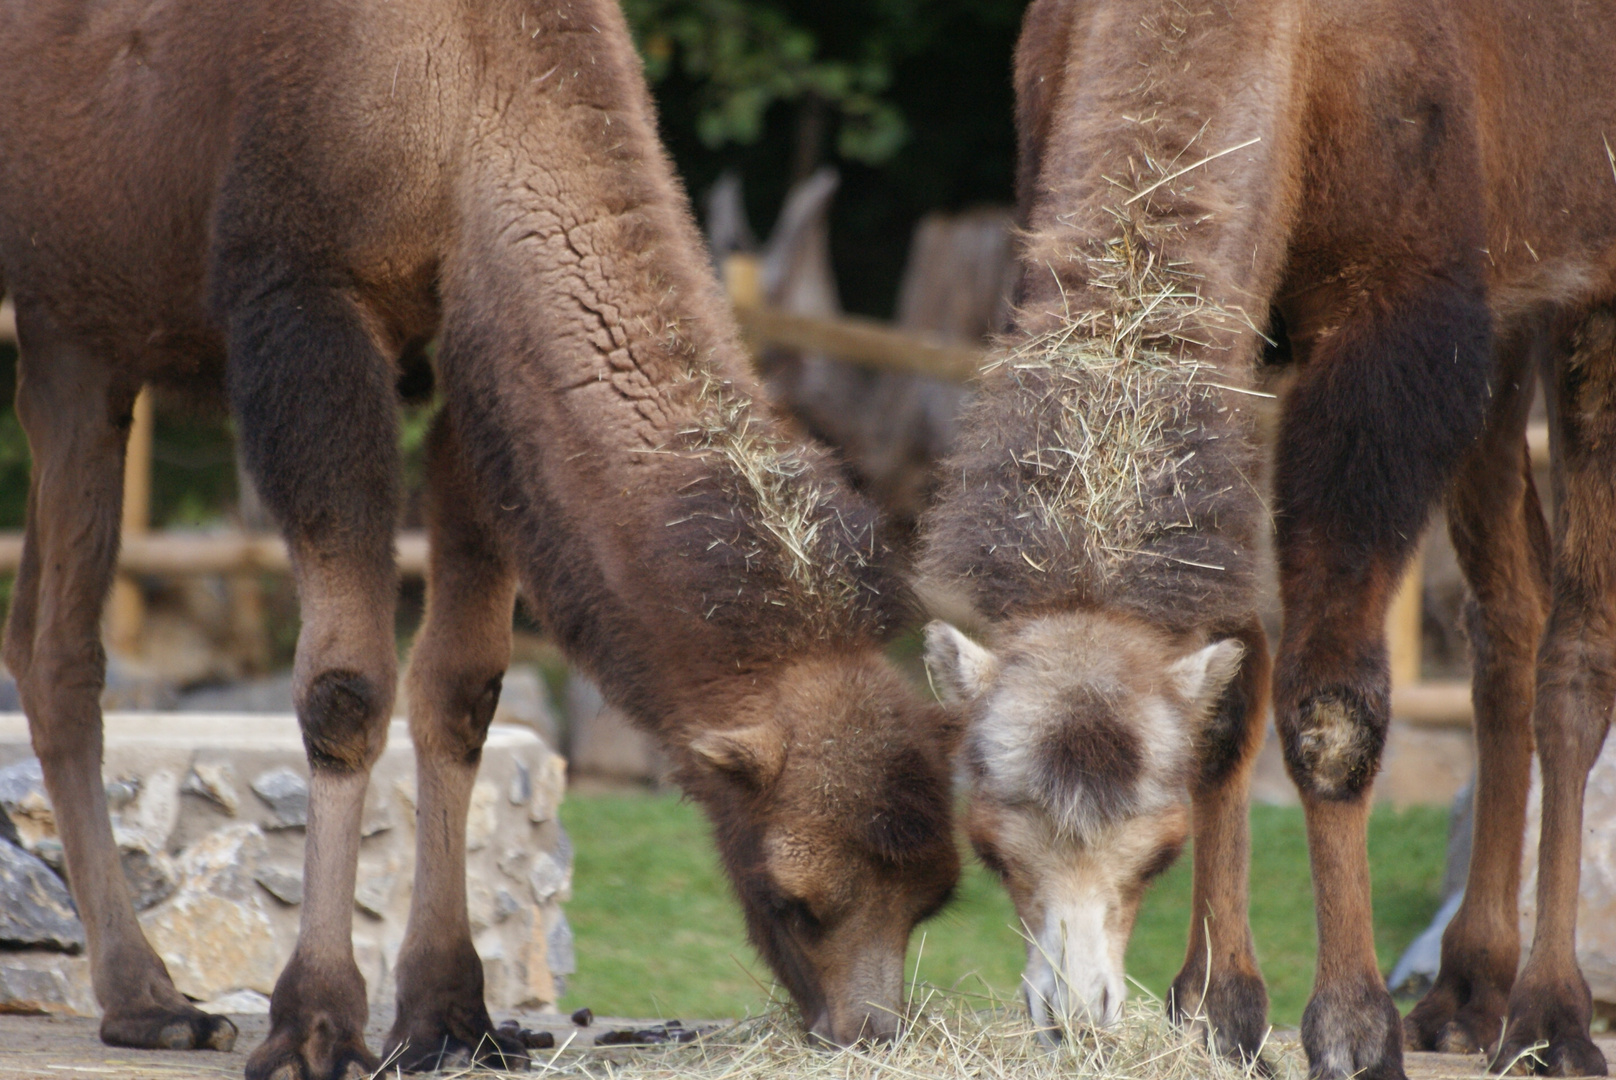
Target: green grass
(659, 935)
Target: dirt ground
(32, 1047)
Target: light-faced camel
(1421, 194)
(280, 200)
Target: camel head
(831, 805)
(1080, 738)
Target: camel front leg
(317, 415)
(454, 683)
(1220, 985)
(1372, 431)
(76, 414)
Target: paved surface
(32, 1047)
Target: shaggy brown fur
(1380, 177)
(288, 199)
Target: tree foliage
(747, 56)
(910, 99)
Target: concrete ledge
(209, 812)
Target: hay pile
(952, 1036)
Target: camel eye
(989, 855)
(1160, 862)
(794, 912)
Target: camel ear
(754, 754)
(960, 669)
(1203, 675)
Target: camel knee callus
(280, 218)
(1370, 197)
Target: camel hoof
(1566, 1055)
(1459, 1015)
(181, 1029)
(1231, 1009)
(1353, 1031)
(1547, 1032)
(319, 1051)
(490, 1049)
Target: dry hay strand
(950, 1036)
(1118, 388)
(819, 554)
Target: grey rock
(19, 781)
(377, 820)
(521, 786)
(558, 944)
(525, 700)
(216, 782)
(237, 1003)
(151, 877)
(287, 794)
(52, 854)
(35, 908)
(371, 895)
(505, 905)
(284, 885)
(563, 851)
(8, 831)
(221, 864)
(122, 792)
(513, 862)
(37, 982)
(548, 877)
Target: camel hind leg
(454, 682)
(314, 403)
(76, 411)
(1220, 986)
(1547, 1029)
(1502, 541)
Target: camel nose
(867, 1027)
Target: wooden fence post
(127, 612)
(743, 280)
(1403, 624)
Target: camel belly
(133, 119)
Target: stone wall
(209, 814)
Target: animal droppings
(657, 1035)
(532, 1040)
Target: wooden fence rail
(179, 554)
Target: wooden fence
(856, 340)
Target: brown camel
(284, 201)
(1418, 201)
